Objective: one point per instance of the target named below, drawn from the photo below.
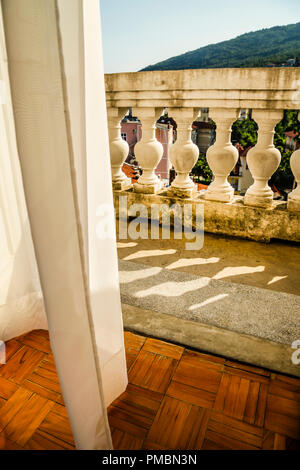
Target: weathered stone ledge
(231, 219)
(210, 339)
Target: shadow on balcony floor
(274, 266)
(234, 297)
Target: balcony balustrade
(225, 92)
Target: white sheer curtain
(21, 302)
(58, 96)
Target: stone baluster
(183, 153)
(119, 148)
(294, 197)
(263, 159)
(222, 156)
(148, 152)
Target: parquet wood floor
(176, 399)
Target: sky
(137, 33)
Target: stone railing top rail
(260, 88)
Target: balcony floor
(236, 298)
(274, 266)
(176, 399)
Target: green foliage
(256, 49)
(283, 176)
(202, 169)
(289, 122)
(244, 132)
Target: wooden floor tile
(283, 416)
(133, 341)
(48, 363)
(246, 374)
(13, 406)
(7, 388)
(234, 429)
(7, 444)
(57, 426)
(223, 441)
(275, 441)
(292, 444)
(135, 410)
(148, 445)
(60, 410)
(261, 405)
(60, 400)
(252, 401)
(27, 420)
(289, 380)
(268, 440)
(130, 358)
(11, 347)
(211, 445)
(178, 425)
(205, 357)
(136, 425)
(196, 372)
(191, 395)
(139, 400)
(152, 371)
(236, 424)
(286, 389)
(133, 345)
(222, 392)
(42, 391)
(240, 401)
(124, 441)
(21, 364)
(169, 423)
(231, 400)
(44, 381)
(37, 340)
(247, 368)
(242, 398)
(163, 348)
(176, 399)
(44, 441)
(195, 428)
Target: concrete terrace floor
(234, 297)
(274, 266)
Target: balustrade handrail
(266, 91)
(262, 88)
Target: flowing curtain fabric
(57, 88)
(21, 301)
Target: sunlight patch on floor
(183, 262)
(147, 253)
(238, 271)
(208, 301)
(174, 289)
(131, 276)
(276, 279)
(126, 245)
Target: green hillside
(256, 49)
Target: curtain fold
(58, 97)
(21, 300)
